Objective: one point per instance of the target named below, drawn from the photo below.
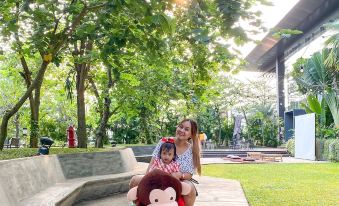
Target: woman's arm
(182, 176)
(177, 175)
(186, 176)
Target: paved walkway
(212, 192)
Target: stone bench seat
(67, 179)
(81, 189)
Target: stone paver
(212, 191)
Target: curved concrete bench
(66, 179)
(143, 153)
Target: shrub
(326, 148)
(333, 148)
(291, 147)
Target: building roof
(304, 16)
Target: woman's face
(183, 131)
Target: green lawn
(283, 184)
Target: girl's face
(183, 131)
(167, 155)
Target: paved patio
(212, 192)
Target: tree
(52, 27)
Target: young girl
(188, 156)
(165, 160)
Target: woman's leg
(135, 180)
(190, 198)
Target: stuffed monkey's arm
(132, 194)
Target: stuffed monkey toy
(159, 188)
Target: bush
(326, 148)
(330, 150)
(333, 150)
(29, 152)
(291, 147)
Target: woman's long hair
(196, 144)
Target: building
(276, 56)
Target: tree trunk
(82, 74)
(35, 129)
(101, 130)
(9, 113)
(104, 110)
(144, 126)
(17, 126)
(81, 132)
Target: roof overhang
(303, 16)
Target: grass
(283, 184)
(28, 152)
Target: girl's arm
(150, 165)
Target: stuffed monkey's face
(165, 197)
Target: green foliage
(333, 42)
(328, 132)
(290, 145)
(333, 151)
(312, 75)
(53, 129)
(286, 33)
(314, 104)
(262, 126)
(155, 63)
(315, 77)
(331, 97)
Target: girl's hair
(196, 144)
(168, 146)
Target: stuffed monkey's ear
(186, 188)
(132, 194)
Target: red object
(167, 140)
(181, 201)
(71, 137)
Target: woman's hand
(177, 175)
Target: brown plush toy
(159, 188)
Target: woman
(187, 149)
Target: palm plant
(319, 78)
(333, 43)
(331, 97)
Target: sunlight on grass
(283, 184)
